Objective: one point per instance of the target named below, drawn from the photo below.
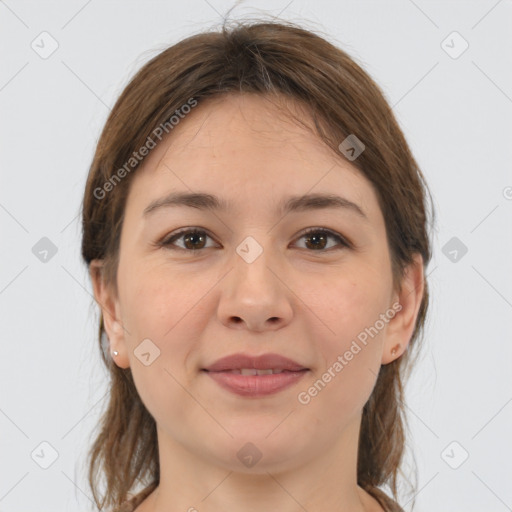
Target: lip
(255, 385)
(261, 362)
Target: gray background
(456, 115)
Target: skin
(303, 302)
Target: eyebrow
(204, 201)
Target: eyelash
(167, 242)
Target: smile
(255, 383)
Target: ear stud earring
(115, 352)
(394, 350)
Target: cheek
(348, 304)
(172, 310)
(157, 299)
(157, 304)
(351, 344)
(345, 379)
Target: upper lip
(262, 362)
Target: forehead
(231, 124)
(246, 147)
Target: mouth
(253, 383)
(254, 371)
(241, 362)
(255, 376)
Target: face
(196, 284)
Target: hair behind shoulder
(267, 58)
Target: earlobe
(108, 303)
(401, 327)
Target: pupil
(193, 236)
(317, 238)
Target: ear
(401, 326)
(107, 300)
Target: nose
(254, 295)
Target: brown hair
(277, 59)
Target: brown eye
(193, 240)
(317, 240)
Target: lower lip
(256, 385)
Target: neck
(319, 481)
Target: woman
(256, 233)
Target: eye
(194, 239)
(317, 239)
